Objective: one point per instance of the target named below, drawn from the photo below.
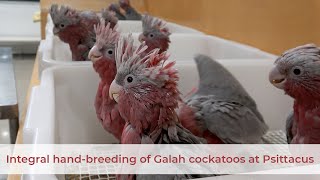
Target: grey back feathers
(223, 106)
(217, 80)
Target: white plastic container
(183, 47)
(135, 27)
(66, 95)
(62, 110)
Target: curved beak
(114, 91)
(55, 30)
(141, 38)
(276, 78)
(94, 54)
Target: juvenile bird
(155, 33)
(102, 55)
(145, 88)
(130, 12)
(76, 28)
(297, 73)
(220, 110)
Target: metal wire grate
(275, 137)
(90, 177)
(272, 137)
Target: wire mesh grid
(272, 137)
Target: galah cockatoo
(76, 28)
(145, 87)
(155, 33)
(297, 72)
(102, 56)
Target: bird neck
(106, 69)
(304, 97)
(147, 109)
(163, 45)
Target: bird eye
(110, 51)
(151, 35)
(129, 79)
(62, 25)
(297, 71)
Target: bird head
(155, 33)
(297, 71)
(62, 17)
(109, 17)
(106, 39)
(144, 78)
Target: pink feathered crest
(105, 34)
(150, 23)
(152, 65)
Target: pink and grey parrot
(102, 55)
(76, 28)
(130, 12)
(145, 88)
(220, 110)
(155, 33)
(297, 72)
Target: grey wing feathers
(175, 134)
(289, 123)
(232, 122)
(217, 80)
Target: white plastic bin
(62, 110)
(183, 47)
(64, 100)
(135, 27)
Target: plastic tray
(183, 47)
(64, 101)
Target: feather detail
(150, 22)
(105, 34)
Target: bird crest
(57, 13)
(109, 15)
(150, 23)
(105, 34)
(310, 50)
(153, 65)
